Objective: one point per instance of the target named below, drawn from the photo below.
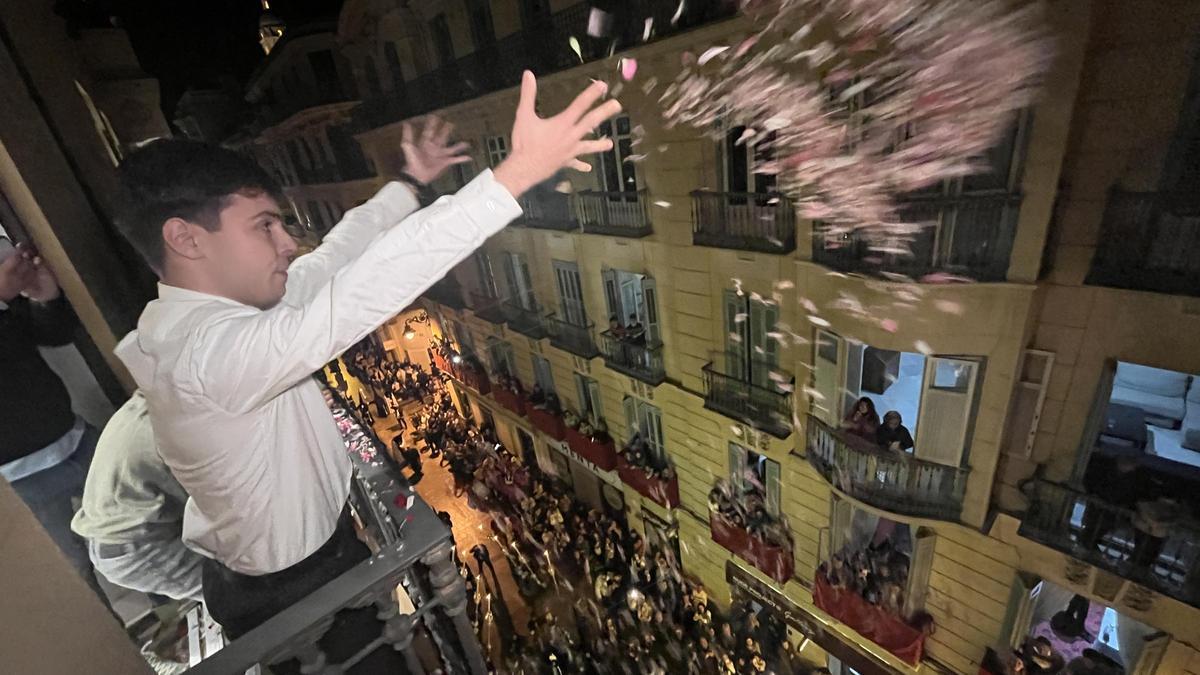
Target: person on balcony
(615, 328)
(226, 353)
(635, 332)
(892, 434)
(862, 421)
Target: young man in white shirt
(224, 357)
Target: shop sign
(609, 477)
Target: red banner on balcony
(661, 491)
(775, 561)
(874, 623)
(509, 399)
(443, 363)
(603, 455)
(475, 379)
(550, 424)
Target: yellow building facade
(761, 337)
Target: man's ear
(179, 237)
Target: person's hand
(427, 157)
(540, 147)
(16, 274)
(43, 285)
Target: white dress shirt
(237, 416)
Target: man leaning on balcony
(225, 355)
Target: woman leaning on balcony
(862, 421)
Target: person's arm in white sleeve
(347, 240)
(241, 359)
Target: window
(542, 373)
(617, 173)
(501, 355)
(588, 390)
(953, 375)
(372, 76)
(633, 299)
(570, 292)
(326, 74)
(463, 173)
(646, 420)
(520, 282)
(497, 149)
(487, 280)
(393, 65)
(443, 45)
(482, 32)
(752, 473)
(738, 157)
(752, 354)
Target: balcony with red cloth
(598, 450)
(473, 375)
(656, 488)
(442, 361)
(548, 421)
(773, 560)
(508, 394)
(905, 639)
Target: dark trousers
(241, 602)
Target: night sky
(192, 43)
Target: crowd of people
(637, 453)
(602, 599)
(879, 573)
(745, 507)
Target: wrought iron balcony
(746, 221)
(572, 337)
(641, 361)
(412, 550)
(488, 308)
(621, 214)
(1149, 241)
(528, 322)
(447, 292)
(548, 210)
(968, 235)
(1091, 529)
(758, 394)
(893, 481)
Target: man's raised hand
(427, 157)
(540, 147)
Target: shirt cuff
(500, 208)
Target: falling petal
(574, 42)
(678, 12)
(710, 53)
(784, 284)
(563, 187)
(599, 22)
(923, 347)
(740, 317)
(814, 394)
(628, 68)
(949, 307)
(649, 26)
(818, 321)
(889, 325)
(660, 203)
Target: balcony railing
(641, 361)
(620, 214)
(548, 210)
(573, 337)
(528, 322)
(412, 549)
(893, 481)
(1091, 529)
(968, 235)
(748, 392)
(487, 307)
(1149, 241)
(745, 221)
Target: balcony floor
(774, 428)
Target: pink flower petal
(628, 68)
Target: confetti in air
(923, 347)
(678, 12)
(599, 23)
(574, 42)
(649, 27)
(628, 68)
(857, 103)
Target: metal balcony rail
(1091, 529)
(746, 221)
(573, 337)
(754, 392)
(528, 322)
(548, 210)
(620, 214)
(893, 481)
(1149, 241)
(446, 293)
(641, 361)
(968, 235)
(488, 307)
(413, 550)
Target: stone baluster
(450, 589)
(399, 631)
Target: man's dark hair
(178, 178)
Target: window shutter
(510, 276)
(826, 374)
(737, 466)
(918, 571)
(773, 488)
(1154, 646)
(1025, 409)
(736, 334)
(597, 410)
(629, 404)
(840, 513)
(650, 310)
(654, 421)
(947, 394)
(1019, 615)
(854, 369)
(610, 295)
(581, 392)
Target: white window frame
(497, 149)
